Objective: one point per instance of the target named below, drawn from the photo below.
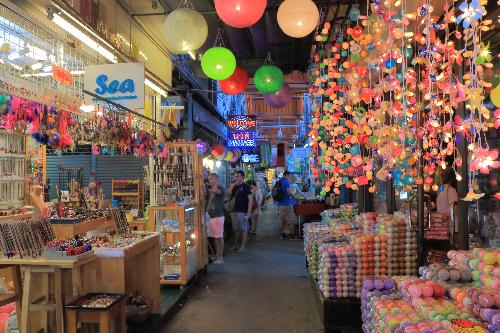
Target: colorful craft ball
(390, 63)
(489, 258)
(354, 14)
(185, 30)
(236, 83)
(280, 98)
(268, 79)
(218, 150)
(218, 63)
(298, 18)
(240, 13)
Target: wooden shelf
(71, 230)
(26, 216)
(132, 194)
(171, 282)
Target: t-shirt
(241, 199)
(287, 201)
(215, 207)
(445, 199)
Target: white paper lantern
(185, 30)
(298, 18)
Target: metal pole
(420, 193)
(189, 115)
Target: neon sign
(241, 135)
(244, 143)
(241, 123)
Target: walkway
(265, 289)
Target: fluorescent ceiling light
(77, 72)
(36, 66)
(37, 75)
(153, 86)
(87, 107)
(84, 38)
(13, 56)
(47, 68)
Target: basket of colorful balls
(66, 249)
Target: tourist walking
(242, 195)
(283, 198)
(215, 210)
(257, 206)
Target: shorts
(240, 222)
(287, 215)
(215, 227)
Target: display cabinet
(180, 242)
(130, 193)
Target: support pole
(189, 114)
(420, 192)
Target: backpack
(277, 193)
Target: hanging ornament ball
(236, 83)
(495, 96)
(268, 79)
(222, 157)
(229, 156)
(218, 150)
(354, 14)
(280, 98)
(390, 63)
(218, 63)
(240, 13)
(298, 18)
(185, 30)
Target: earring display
(12, 169)
(120, 220)
(25, 239)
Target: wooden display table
(71, 230)
(16, 217)
(134, 269)
(36, 298)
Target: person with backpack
(282, 197)
(241, 202)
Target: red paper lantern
(240, 13)
(236, 83)
(218, 150)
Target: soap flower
(483, 160)
(470, 13)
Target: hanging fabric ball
(218, 150)
(218, 63)
(298, 18)
(229, 156)
(354, 14)
(268, 79)
(495, 96)
(240, 13)
(236, 83)
(185, 30)
(280, 98)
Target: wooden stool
(45, 303)
(102, 317)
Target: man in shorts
(243, 201)
(288, 220)
(215, 210)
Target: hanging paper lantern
(268, 79)
(279, 99)
(218, 63)
(495, 96)
(298, 18)
(236, 83)
(229, 156)
(185, 30)
(240, 13)
(218, 150)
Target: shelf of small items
(130, 193)
(81, 222)
(179, 235)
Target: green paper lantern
(268, 79)
(218, 63)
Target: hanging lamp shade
(185, 30)
(280, 98)
(240, 13)
(236, 83)
(298, 18)
(218, 63)
(268, 79)
(218, 150)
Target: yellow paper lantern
(495, 96)
(298, 18)
(185, 30)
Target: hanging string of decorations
(368, 89)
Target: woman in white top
(448, 195)
(257, 209)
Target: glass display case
(179, 242)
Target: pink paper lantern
(240, 13)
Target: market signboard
(241, 132)
(250, 158)
(121, 83)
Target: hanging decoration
(236, 83)
(298, 18)
(185, 29)
(240, 13)
(268, 78)
(280, 98)
(218, 63)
